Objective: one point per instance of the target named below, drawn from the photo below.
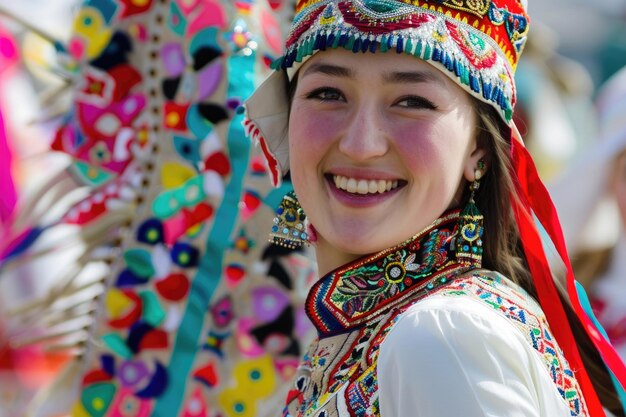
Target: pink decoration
(8, 195)
(187, 6)
(196, 405)
(209, 13)
(246, 343)
(77, 48)
(174, 227)
(286, 368)
(271, 30)
(126, 404)
(9, 56)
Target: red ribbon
(535, 199)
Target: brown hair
(502, 246)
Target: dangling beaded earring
(289, 224)
(469, 244)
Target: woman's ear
(477, 160)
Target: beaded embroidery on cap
(477, 42)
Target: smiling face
(380, 146)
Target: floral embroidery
(364, 288)
(348, 297)
(363, 394)
(476, 7)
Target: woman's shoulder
(475, 304)
(483, 338)
(485, 321)
(485, 302)
(487, 297)
(491, 290)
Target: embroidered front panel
(338, 376)
(516, 305)
(362, 393)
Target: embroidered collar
(372, 285)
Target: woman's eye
(326, 94)
(416, 102)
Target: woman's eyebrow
(329, 69)
(411, 77)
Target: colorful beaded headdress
(449, 34)
(477, 43)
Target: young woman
(394, 121)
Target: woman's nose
(365, 136)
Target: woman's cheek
(416, 144)
(313, 129)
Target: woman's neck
(330, 258)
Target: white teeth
(362, 187)
(382, 186)
(352, 185)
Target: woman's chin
(339, 251)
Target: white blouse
(453, 357)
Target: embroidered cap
(477, 43)
(449, 34)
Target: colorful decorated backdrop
(191, 312)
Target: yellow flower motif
(235, 402)
(255, 380)
(256, 377)
(90, 26)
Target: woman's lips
(359, 192)
(364, 186)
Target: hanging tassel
(469, 243)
